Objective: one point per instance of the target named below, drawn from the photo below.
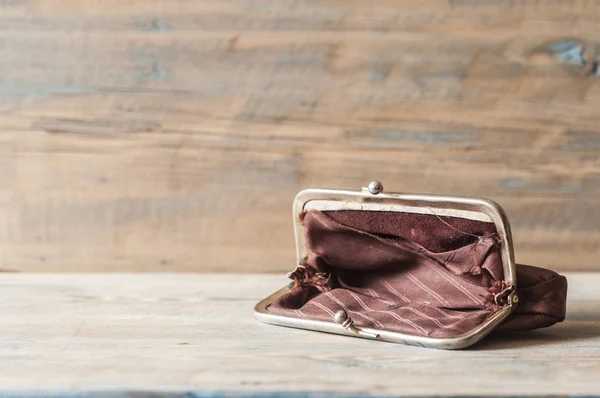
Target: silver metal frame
(374, 200)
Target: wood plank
(191, 125)
(195, 334)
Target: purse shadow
(568, 331)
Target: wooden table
(195, 334)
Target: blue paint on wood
(582, 143)
(379, 72)
(515, 183)
(159, 70)
(577, 53)
(150, 66)
(151, 25)
(32, 93)
(575, 216)
(377, 76)
(191, 394)
(569, 50)
(214, 394)
(9, 3)
(423, 136)
(13, 345)
(158, 26)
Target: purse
(426, 270)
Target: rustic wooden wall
(172, 135)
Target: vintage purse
(426, 270)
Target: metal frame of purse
(373, 199)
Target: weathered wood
(195, 333)
(173, 135)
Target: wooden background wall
(172, 135)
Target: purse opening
(416, 274)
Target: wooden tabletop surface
(185, 334)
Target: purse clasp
(341, 317)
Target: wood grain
(163, 136)
(195, 334)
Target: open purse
(427, 270)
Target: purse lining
(416, 274)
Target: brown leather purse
(428, 270)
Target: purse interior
(417, 274)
